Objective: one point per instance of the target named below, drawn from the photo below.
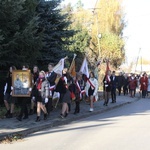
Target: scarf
(39, 85)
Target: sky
(137, 31)
(87, 3)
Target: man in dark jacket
(120, 82)
(125, 84)
(114, 82)
(51, 77)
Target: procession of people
(67, 87)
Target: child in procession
(42, 95)
(91, 90)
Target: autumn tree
(108, 21)
(79, 42)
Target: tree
(56, 33)
(79, 42)
(111, 48)
(108, 20)
(79, 5)
(19, 24)
(9, 16)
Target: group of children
(44, 85)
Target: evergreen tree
(19, 24)
(10, 12)
(54, 25)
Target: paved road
(28, 126)
(124, 128)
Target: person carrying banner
(91, 90)
(24, 101)
(79, 91)
(51, 77)
(63, 88)
(84, 69)
(72, 69)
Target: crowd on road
(128, 83)
(46, 86)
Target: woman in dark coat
(144, 85)
(132, 85)
(63, 88)
(9, 101)
(35, 76)
(125, 84)
(79, 90)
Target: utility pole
(138, 59)
(98, 36)
(141, 64)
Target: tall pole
(141, 64)
(98, 34)
(137, 58)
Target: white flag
(84, 68)
(59, 67)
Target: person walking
(42, 95)
(79, 90)
(9, 101)
(51, 77)
(125, 84)
(132, 85)
(107, 87)
(91, 90)
(148, 88)
(120, 83)
(63, 88)
(24, 101)
(144, 85)
(35, 76)
(114, 82)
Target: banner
(59, 67)
(84, 68)
(72, 69)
